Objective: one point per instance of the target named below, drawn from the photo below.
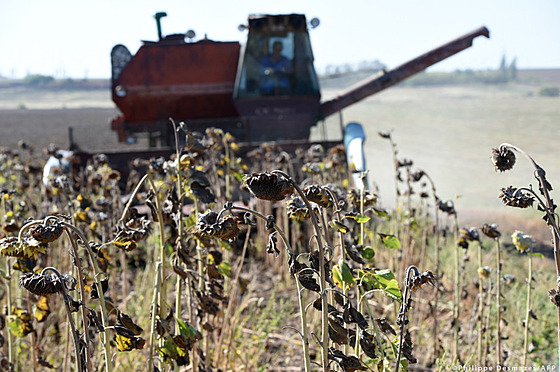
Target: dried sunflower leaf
(42, 309)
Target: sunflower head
(225, 228)
(319, 195)
(44, 233)
(491, 231)
(521, 241)
(297, 209)
(268, 186)
(513, 197)
(41, 284)
(503, 158)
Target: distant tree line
(331, 71)
(40, 81)
(506, 72)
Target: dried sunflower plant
(201, 262)
(503, 158)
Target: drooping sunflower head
(268, 186)
(503, 158)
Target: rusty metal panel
(188, 80)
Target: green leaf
(537, 254)
(337, 277)
(188, 330)
(368, 252)
(384, 275)
(380, 212)
(238, 176)
(393, 291)
(383, 280)
(225, 268)
(359, 218)
(20, 324)
(190, 220)
(390, 241)
(223, 244)
(346, 273)
(338, 226)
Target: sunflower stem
(528, 308)
(498, 304)
(322, 276)
(551, 221)
(157, 283)
(70, 320)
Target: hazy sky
(73, 38)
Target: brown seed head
(427, 277)
(491, 231)
(417, 176)
(446, 207)
(512, 197)
(503, 158)
(554, 297)
(41, 284)
(46, 233)
(354, 197)
(297, 209)
(268, 186)
(469, 233)
(319, 195)
(226, 228)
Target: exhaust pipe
(158, 16)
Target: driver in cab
(275, 72)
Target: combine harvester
(209, 83)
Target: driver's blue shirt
(275, 74)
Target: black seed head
(503, 158)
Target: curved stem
(70, 320)
(480, 308)
(540, 175)
(403, 311)
(82, 294)
(263, 217)
(528, 308)
(103, 306)
(131, 198)
(78, 265)
(157, 283)
(324, 304)
(499, 310)
(303, 318)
